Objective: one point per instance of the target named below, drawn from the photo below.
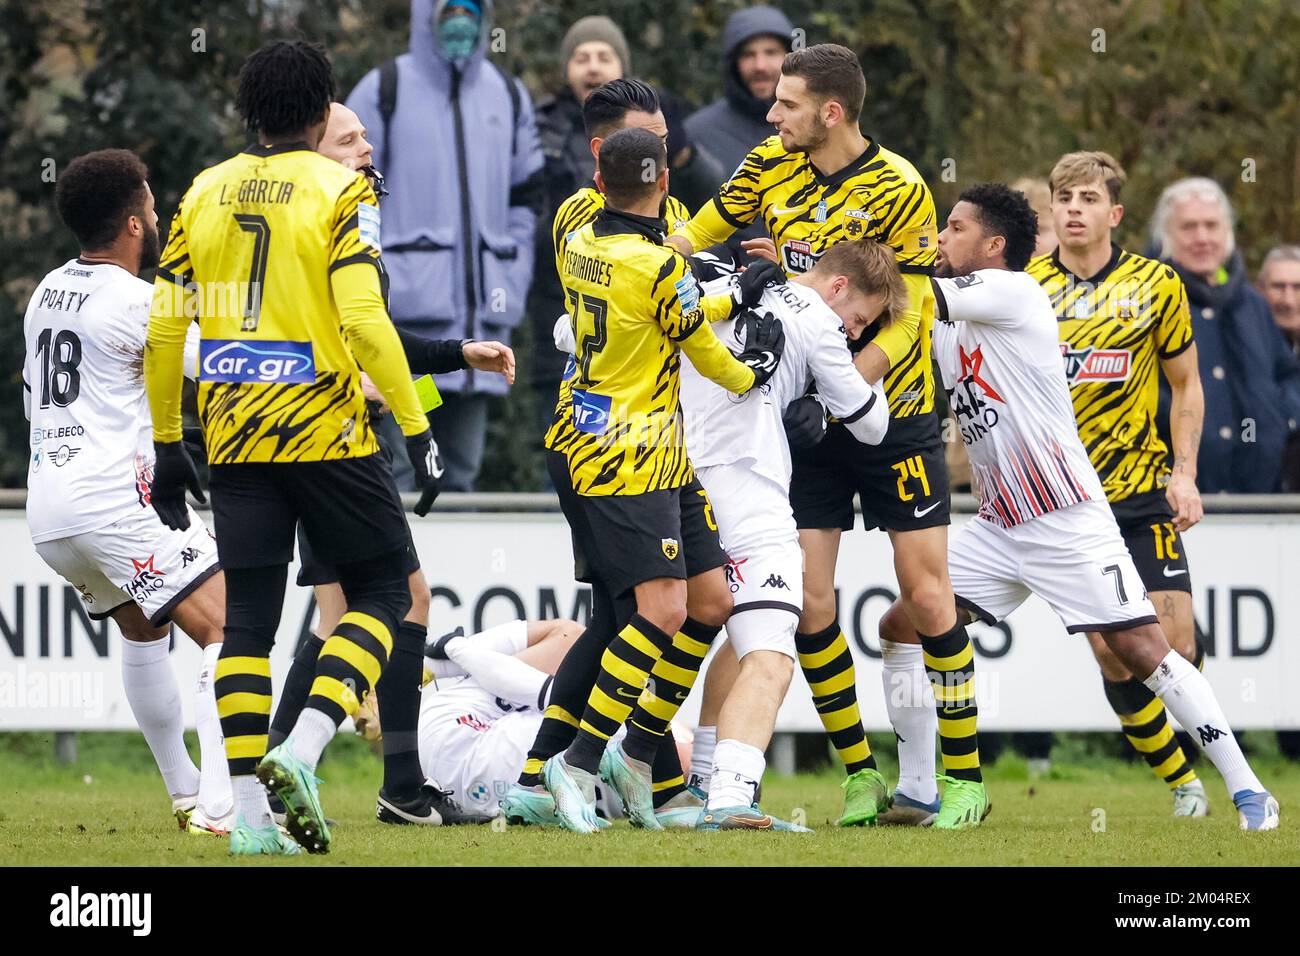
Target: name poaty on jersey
(1096, 365)
(257, 361)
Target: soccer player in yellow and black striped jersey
(635, 307)
(817, 182)
(1123, 321)
(619, 104)
(276, 251)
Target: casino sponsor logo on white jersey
(1096, 365)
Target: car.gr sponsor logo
(591, 412)
(257, 361)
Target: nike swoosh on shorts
(921, 513)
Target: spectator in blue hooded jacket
(1251, 379)
(461, 155)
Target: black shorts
(313, 571)
(902, 483)
(1156, 547)
(557, 466)
(350, 511)
(660, 534)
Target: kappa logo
(147, 579)
(670, 548)
(1095, 365)
(775, 581)
(1209, 734)
(189, 556)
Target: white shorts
(765, 573)
(136, 558)
(1074, 559)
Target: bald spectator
(1250, 377)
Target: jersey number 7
(261, 231)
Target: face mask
(458, 36)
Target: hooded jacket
(735, 123)
(458, 231)
(1251, 382)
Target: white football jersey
(995, 340)
(724, 429)
(83, 376)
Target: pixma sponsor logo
(78, 909)
(261, 362)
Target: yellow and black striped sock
(666, 775)
(624, 669)
(950, 665)
(827, 665)
(1146, 727)
(671, 679)
(350, 664)
(555, 733)
(243, 691)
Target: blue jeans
(460, 429)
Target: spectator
(456, 139)
(594, 51)
(1040, 200)
(754, 42)
(1251, 379)
(1279, 280)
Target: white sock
(155, 701)
(250, 801)
(443, 669)
(310, 735)
(737, 769)
(1188, 696)
(706, 742)
(215, 794)
(909, 700)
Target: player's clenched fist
(426, 461)
(173, 472)
(764, 343)
(751, 283)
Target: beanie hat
(591, 29)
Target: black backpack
(388, 104)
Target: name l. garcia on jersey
(257, 361)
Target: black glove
(426, 461)
(764, 343)
(805, 422)
(173, 472)
(752, 282)
(192, 439)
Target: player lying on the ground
(1124, 323)
(88, 503)
(1044, 526)
(740, 452)
(403, 797)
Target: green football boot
(865, 797)
(293, 782)
(964, 805)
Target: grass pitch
(110, 810)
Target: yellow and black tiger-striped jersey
(635, 307)
(577, 211)
(1115, 327)
(879, 195)
(276, 252)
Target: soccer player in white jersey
(739, 448)
(88, 505)
(1044, 526)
